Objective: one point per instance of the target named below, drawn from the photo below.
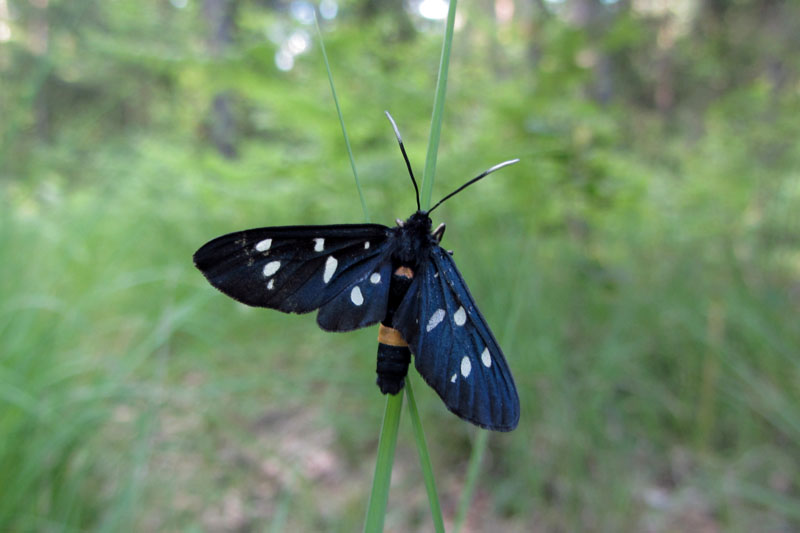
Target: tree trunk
(589, 16)
(39, 39)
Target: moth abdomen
(392, 367)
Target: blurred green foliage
(640, 265)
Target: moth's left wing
(297, 269)
(454, 350)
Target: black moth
(361, 274)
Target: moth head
(419, 222)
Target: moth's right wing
(454, 349)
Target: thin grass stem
(378, 498)
(341, 120)
(427, 188)
(424, 459)
(473, 472)
(438, 109)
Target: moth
(358, 275)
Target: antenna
(473, 180)
(405, 156)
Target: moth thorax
(414, 239)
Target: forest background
(640, 265)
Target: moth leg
(438, 233)
(400, 223)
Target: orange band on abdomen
(390, 337)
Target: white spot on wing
(271, 284)
(435, 274)
(263, 246)
(486, 358)
(319, 244)
(356, 297)
(271, 267)
(330, 268)
(375, 278)
(436, 317)
(460, 317)
(453, 378)
(466, 366)
(366, 245)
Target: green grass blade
(438, 110)
(473, 471)
(424, 459)
(425, 202)
(341, 120)
(379, 496)
(281, 515)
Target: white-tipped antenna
(498, 166)
(473, 180)
(405, 156)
